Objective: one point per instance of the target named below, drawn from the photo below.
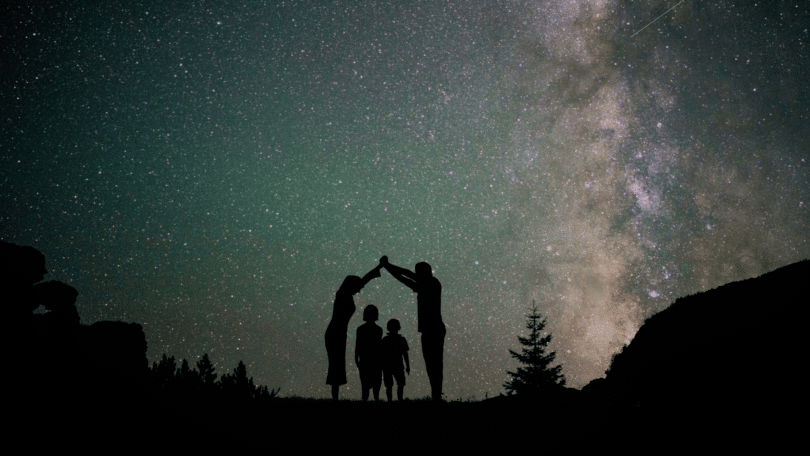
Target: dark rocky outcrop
(721, 359)
(113, 358)
(64, 369)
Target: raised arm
(373, 274)
(403, 275)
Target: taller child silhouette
(339, 325)
(367, 353)
(429, 317)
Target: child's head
(393, 325)
(371, 313)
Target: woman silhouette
(339, 326)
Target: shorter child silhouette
(366, 353)
(394, 348)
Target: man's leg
(433, 352)
(427, 355)
(438, 365)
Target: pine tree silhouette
(188, 380)
(238, 384)
(206, 369)
(185, 372)
(164, 373)
(537, 373)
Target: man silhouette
(429, 317)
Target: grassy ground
(510, 424)
(321, 423)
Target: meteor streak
(659, 17)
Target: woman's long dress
(336, 338)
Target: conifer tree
(537, 372)
(238, 382)
(263, 394)
(164, 372)
(185, 372)
(206, 368)
(188, 379)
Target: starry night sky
(214, 170)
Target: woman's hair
(371, 313)
(393, 325)
(351, 284)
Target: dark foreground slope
(417, 427)
(723, 364)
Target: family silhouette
(376, 356)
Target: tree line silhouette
(191, 384)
